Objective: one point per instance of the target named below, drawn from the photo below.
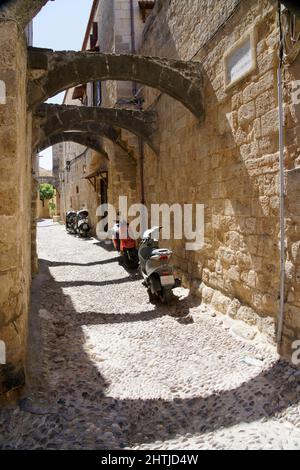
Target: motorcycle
(82, 226)
(125, 244)
(71, 222)
(156, 269)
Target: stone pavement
(109, 370)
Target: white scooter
(156, 269)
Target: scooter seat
(161, 252)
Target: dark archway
(94, 129)
(88, 140)
(58, 71)
(56, 119)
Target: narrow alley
(107, 369)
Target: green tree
(47, 192)
(52, 207)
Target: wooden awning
(79, 92)
(100, 172)
(92, 177)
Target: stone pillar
(15, 201)
(34, 214)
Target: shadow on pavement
(77, 391)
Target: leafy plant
(52, 207)
(47, 192)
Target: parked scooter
(125, 244)
(71, 222)
(156, 269)
(82, 223)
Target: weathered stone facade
(217, 144)
(54, 119)
(15, 204)
(230, 163)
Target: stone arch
(88, 140)
(98, 130)
(21, 10)
(49, 180)
(94, 129)
(58, 71)
(55, 119)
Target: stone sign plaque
(240, 60)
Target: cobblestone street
(109, 370)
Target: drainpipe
(142, 160)
(282, 189)
(139, 105)
(133, 48)
(282, 210)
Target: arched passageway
(82, 138)
(48, 74)
(97, 130)
(55, 119)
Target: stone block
(269, 123)
(233, 308)
(246, 114)
(244, 331)
(207, 294)
(220, 302)
(248, 315)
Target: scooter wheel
(166, 296)
(152, 297)
(131, 262)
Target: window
(29, 34)
(97, 93)
(94, 36)
(103, 191)
(146, 6)
(77, 189)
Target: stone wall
(122, 177)
(76, 191)
(35, 200)
(15, 205)
(291, 81)
(114, 26)
(229, 163)
(122, 167)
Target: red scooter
(125, 244)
